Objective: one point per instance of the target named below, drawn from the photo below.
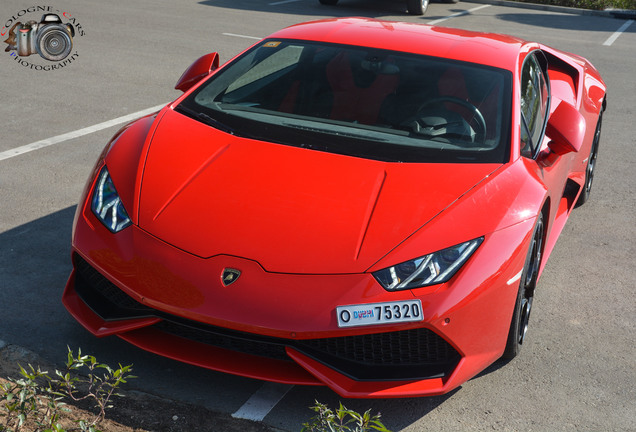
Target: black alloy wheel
(525, 295)
(416, 7)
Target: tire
(329, 2)
(591, 164)
(525, 295)
(416, 7)
(448, 1)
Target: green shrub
(36, 399)
(342, 420)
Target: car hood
(290, 209)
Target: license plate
(379, 313)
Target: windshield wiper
(203, 117)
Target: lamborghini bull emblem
(229, 276)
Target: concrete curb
(608, 13)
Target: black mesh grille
(104, 297)
(223, 338)
(407, 354)
(403, 347)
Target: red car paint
(307, 229)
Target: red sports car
(361, 204)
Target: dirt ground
(135, 412)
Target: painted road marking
(455, 15)
(241, 36)
(263, 401)
(76, 134)
(282, 2)
(618, 32)
(458, 14)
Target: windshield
(361, 102)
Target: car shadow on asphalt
(345, 8)
(492, 368)
(398, 414)
(34, 265)
(562, 21)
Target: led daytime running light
(431, 269)
(107, 205)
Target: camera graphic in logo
(50, 38)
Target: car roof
(485, 48)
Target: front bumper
(283, 328)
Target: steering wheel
(477, 115)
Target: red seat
(355, 102)
(452, 83)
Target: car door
(535, 108)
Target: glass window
(361, 102)
(278, 61)
(534, 105)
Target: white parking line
(242, 36)
(282, 2)
(263, 401)
(76, 134)
(458, 14)
(434, 22)
(618, 32)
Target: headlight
(106, 204)
(431, 269)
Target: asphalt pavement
(577, 371)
